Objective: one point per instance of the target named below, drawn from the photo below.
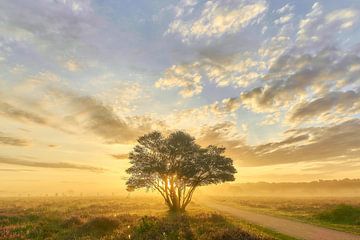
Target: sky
(275, 82)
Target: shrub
(342, 214)
(99, 226)
(72, 221)
(170, 228)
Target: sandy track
(288, 227)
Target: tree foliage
(176, 166)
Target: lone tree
(175, 166)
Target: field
(116, 218)
(148, 218)
(337, 213)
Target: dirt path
(289, 227)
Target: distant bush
(45, 228)
(183, 227)
(100, 226)
(72, 221)
(342, 214)
(170, 228)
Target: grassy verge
(253, 228)
(269, 232)
(338, 214)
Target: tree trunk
(174, 206)
(176, 209)
(176, 197)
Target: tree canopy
(176, 166)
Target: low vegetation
(115, 218)
(338, 213)
(342, 214)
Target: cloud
(13, 170)
(206, 115)
(216, 19)
(299, 74)
(333, 103)
(13, 112)
(272, 48)
(334, 167)
(57, 106)
(236, 71)
(72, 65)
(224, 134)
(57, 165)
(125, 97)
(184, 7)
(13, 141)
(274, 146)
(293, 76)
(48, 33)
(227, 105)
(184, 76)
(327, 143)
(321, 29)
(120, 156)
(80, 113)
(67, 24)
(294, 72)
(101, 120)
(25, 116)
(284, 19)
(286, 8)
(285, 72)
(92, 115)
(271, 119)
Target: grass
(342, 214)
(111, 218)
(337, 213)
(256, 229)
(276, 235)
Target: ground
(337, 213)
(116, 218)
(147, 218)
